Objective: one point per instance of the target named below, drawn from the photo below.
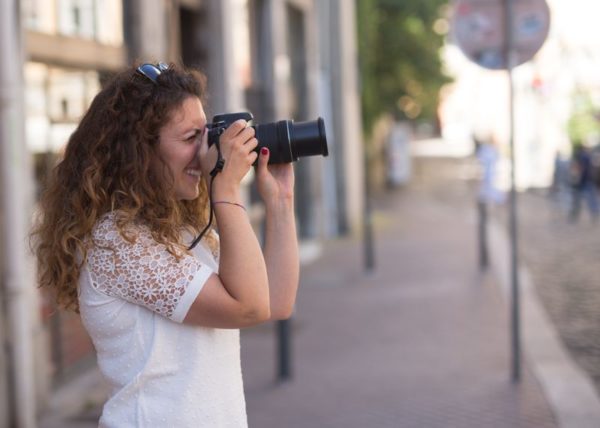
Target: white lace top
(133, 298)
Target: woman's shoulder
(114, 225)
(105, 225)
(107, 219)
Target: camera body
(287, 141)
(221, 122)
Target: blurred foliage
(401, 68)
(584, 124)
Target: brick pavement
(421, 342)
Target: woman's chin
(189, 195)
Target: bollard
(368, 238)
(483, 242)
(284, 353)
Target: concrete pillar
(4, 367)
(225, 90)
(279, 72)
(17, 187)
(146, 29)
(339, 65)
(288, 73)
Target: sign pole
(500, 35)
(515, 288)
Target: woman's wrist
(224, 202)
(224, 191)
(279, 205)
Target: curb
(569, 391)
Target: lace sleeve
(144, 272)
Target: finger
(246, 135)
(235, 128)
(252, 158)
(263, 160)
(251, 144)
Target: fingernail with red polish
(264, 151)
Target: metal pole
(369, 252)
(16, 183)
(284, 351)
(483, 246)
(515, 306)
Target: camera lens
(288, 141)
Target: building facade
(279, 59)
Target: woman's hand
(275, 182)
(237, 149)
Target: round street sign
(478, 27)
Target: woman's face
(179, 144)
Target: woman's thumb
(263, 158)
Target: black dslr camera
(287, 141)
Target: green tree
(583, 126)
(399, 55)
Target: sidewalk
(421, 342)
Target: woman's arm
(276, 186)
(239, 295)
(281, 257)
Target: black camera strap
(218, 165)
(217, 169)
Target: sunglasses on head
(152, 71)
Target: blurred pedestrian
(583, 184)
(561, 189)
(487, 155)
(113, 241)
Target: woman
(117, 219)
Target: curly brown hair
(107, 167)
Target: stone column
(146, 29)
(340, 68)
(16, 178)
(225, 89)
